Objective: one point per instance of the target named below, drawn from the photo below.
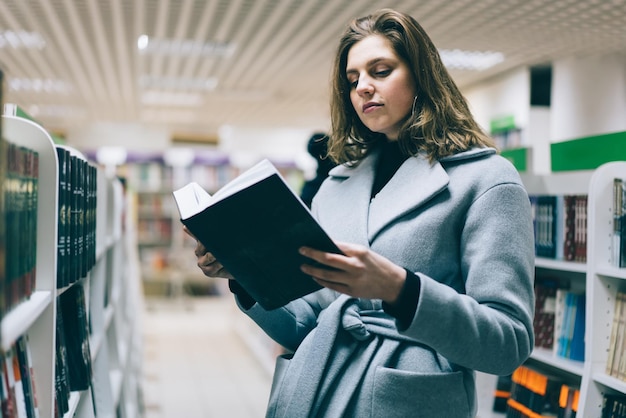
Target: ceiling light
(178, 83)
(39, 85)
(21, 39)
(184, 47)
(164, 98)
(56, 111)
(456, 59)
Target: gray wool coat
(463, 225)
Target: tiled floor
(196, 365)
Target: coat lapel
(360, 219)
(415, 183)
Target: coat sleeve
(289, 325)
(490, 327)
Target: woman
(436, 279)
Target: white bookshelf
(111, 288)
(600, 280)
(603, 282)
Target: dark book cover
(569, 249)
(256, 233)
(74, 218)
(28, 384)
(545, 305)
(62, 226)
(76, 334)
(61, 376)
(545, 244)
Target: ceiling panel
(91, 69)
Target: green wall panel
(588, 153)
(518, 157)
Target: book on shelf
(72, 305)
(560, 226)
(535, 393)
(613, 406)
(20, 201)
(569, 334)
(3, 169)
(545, 310)
(61, 375)
(618, 239)
(19, 395)
(24, 360)
(616, 356)
(76, 216)
(254, 225)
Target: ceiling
(252, 62)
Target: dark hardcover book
(581, 228)
(3, 170)
(28, 384)
(545, 245)
(76, 334)
(74, 219)
(254, 226)
(577, 349)
(61, 376)
(545, 309)
(62, 225)
(569, 250)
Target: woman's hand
(360, 272)
(207, 263)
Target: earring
(413, 107)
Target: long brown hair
(441, 124)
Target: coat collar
(415, 183)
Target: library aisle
(197, 366)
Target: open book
(254, 226)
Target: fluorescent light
(56, 111)
(184, 47)
(178, 83)
(164, 98)
(456, 59)
(21, 39)
(39, 85)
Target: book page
(191, 199)
(252, 175)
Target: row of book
(560, 225)
(613, 406)
(76, 249)
(20, 194)
(18, 393)
(559, 322)
(618, 242)
(535, 394)
(616, 357)
(73, 367)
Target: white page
(192, 198)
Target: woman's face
(382, 88)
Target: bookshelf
(164, 249)
(600, 281)
(111, 291)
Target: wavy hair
(441, 123)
